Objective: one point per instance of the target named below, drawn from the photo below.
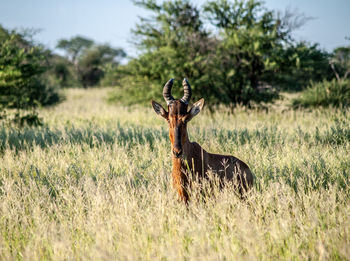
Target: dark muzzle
(177, 150)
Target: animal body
(189, 158)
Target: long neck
(180, 167)
(179, 178)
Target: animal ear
(196, 108)
(159, 110)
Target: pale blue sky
(111, 21)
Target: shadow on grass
(337, 134)
(129, 136)
(27, 138)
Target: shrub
(326, 93)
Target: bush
(327, 93)
(299, 64)
(61, 72)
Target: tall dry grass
(94, 184)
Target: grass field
(94, 184)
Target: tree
(340, 62)
(90, 59)
(175, 43)
(93, 63)
(258, 52)
(22, 65)
(250, 37)
(74, 47)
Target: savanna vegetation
(85, 169)
(94, 183)
(233, 52)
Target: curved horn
(167, 92)
(187, 91)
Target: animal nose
(177, 152)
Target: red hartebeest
(189, 158)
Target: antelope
(189, 158)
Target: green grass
(94, 183)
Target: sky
(108, 21)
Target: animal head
(178, 114)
